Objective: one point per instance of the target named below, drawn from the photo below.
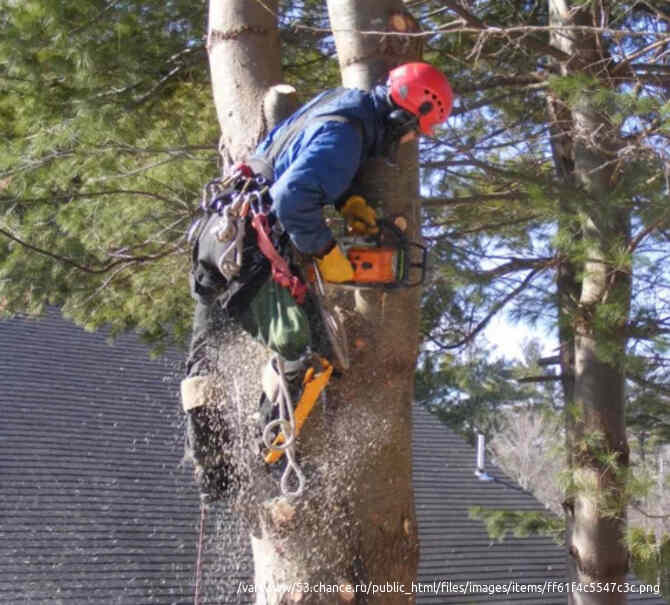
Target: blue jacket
(318, 165)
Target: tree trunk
(596, 510)
(354, 525)
(244, 58)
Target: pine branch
(523, 80)
(84, 268)
(438, 202)
(544, 378)
(496, 308)
(643, 382)
(479, 228)
(92, 194)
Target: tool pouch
(207, 282)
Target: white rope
(286, 425)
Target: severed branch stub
(280, 101)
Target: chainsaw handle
(423, 265)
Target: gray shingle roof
(95, 508)
(93, 505)
(445, 489)
(457, 549)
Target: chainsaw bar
(331, 321)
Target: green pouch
(274, 318)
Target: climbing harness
(223, 202)
(229, 203)
(281, 272)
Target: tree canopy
(110, 130)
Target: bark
(384, 500)
(355, 523)
(244, 58)
(593, 374)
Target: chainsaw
(387, 259)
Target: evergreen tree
(548, 199)
(109, 132)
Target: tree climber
(308, 161)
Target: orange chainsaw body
(383, 260)
(373, 265)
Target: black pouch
(207, 283)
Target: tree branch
(68, 196)
(626, 62)
(496, 308)
(438, 202)
(86, 269)
(502, 81)
(544, 378)
(516, 264)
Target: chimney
(480, 471)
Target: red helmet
(422, 90)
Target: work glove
(361, 218)
(335, 267)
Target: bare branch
(648, 515)
(496, 308)
(635, 242)
(643, 51)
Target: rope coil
(287, 427)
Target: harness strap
(281, 272)
(265, 160)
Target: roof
(95, 507)
(93, 504)
(456, 548)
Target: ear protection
(400, 122)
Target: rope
(286, 424)
(198, 563)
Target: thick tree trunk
(384, 500)
(354, 526)
(596, 510)
(244, 58)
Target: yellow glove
(335, 267)
(361, 218)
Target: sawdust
(314, 535)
